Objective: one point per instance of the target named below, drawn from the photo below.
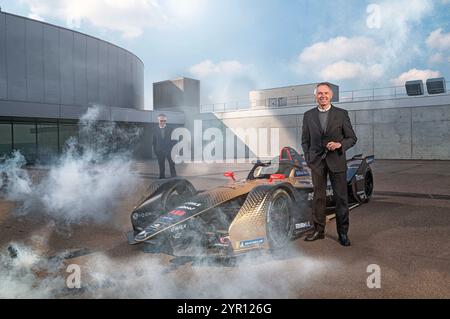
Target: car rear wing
(370, 159)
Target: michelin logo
(248, 243)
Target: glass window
(66, 131)
(25, 140)
(5, 138)
(47, 141)
(273, 102)
(282, 101)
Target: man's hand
(333, 146)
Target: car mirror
(230, 175)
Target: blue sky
(234, 46)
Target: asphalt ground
(402, 235)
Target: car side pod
(276, 176)
(230, 175)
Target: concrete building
(50, 75)
(176, 94)
(389, 124)
(287, 96)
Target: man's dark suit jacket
(162, 146)
(314, 138)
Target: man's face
(162, 121)
(323, 95)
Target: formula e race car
(264, 211)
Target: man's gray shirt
(323, 118)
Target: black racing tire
(279, 220)
(176, 195)
(368, 186)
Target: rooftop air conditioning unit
(414, 88)
(436, 86)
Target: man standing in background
(326, 135)
(162, 146)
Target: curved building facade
(50, 75)
(46, 64)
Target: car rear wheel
(279, 219)
(368, 186)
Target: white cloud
(129, 17)
(208, 68)
(340, 48)
(398, 19)
(227, 81)
(342, 58)
(415, 74)
(344, 70)
(370, 57)
(438, 40)
(398, 16)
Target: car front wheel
(279, 219)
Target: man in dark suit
(162, 146)
(326, 135)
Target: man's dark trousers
(339, 184)
(162, 145)
(162, 165)
(332, 163)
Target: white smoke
(87, 183)
(13, 179)
(26, 274)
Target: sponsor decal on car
(303, 225)
(155, 226)
(184, 207)
(252, 242)
(193, 204)
(141, 215)
(362, 195)
(178, 228)
(359, 177)
(301, 173)
(178, 212)
(189, 206)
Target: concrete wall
(46, 64)
(404, 128)
(289, 95)
(177, 93)
(404, 133)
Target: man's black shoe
(315, 236)
(343, 240)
